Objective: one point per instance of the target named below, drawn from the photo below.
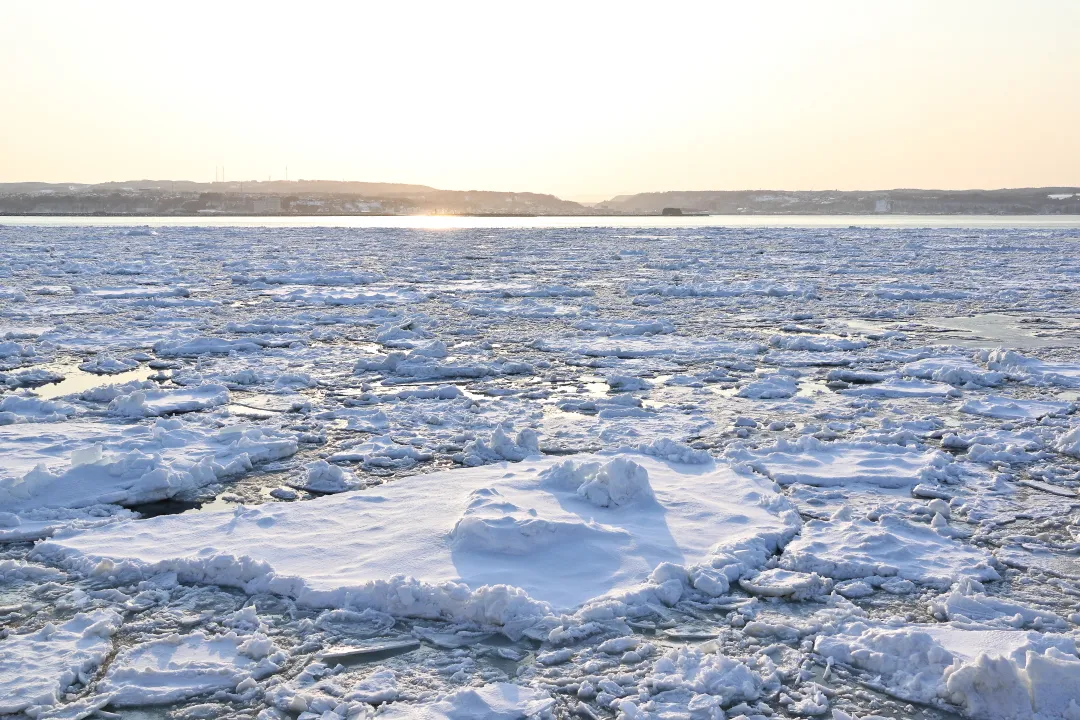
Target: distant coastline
(763, 214)
(314, 198)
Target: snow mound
(614, 483)
(396, 548)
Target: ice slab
(76, 464)
(162, 672)
(828, 464)
(844, 547)
(998, 406)
(1065, 374)
(154, 403)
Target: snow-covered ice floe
(495, 544)
(995, 674)
(53, 470)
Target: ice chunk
(105, 364)
(769, 387)
(812, 343)
(704, 678)
(154, 403)
(500, 447)
(785, 583)
(967, 602)
(322, 477)
(953, 370)
(993, 674)
(36, 669)
(1069, 443)
(1066, 374)
(21, 409)
(162, 672)
(196, 347)
(499, 701)
(896, 388)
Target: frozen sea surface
(512, 472)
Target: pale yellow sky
(582, 99)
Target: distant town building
(671, 211)
(882, 206)
(266, 205)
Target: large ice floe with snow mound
(497, 544)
